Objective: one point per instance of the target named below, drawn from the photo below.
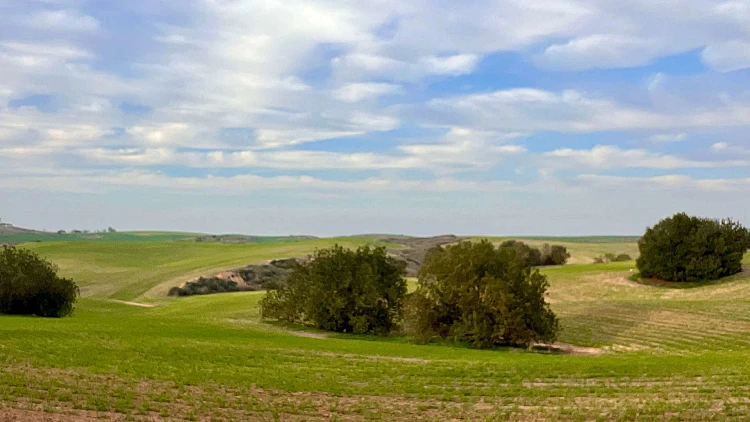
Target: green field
(643, 352)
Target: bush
(533, 257)
(342, 290)
(610, 257)
(554, 255)
(472, 292)
(29, 285)
(685, 248)
(206, 286)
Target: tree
(342, 290)
(554, 255)
(29, 285)
(686, 248)
(111, 229)
(534, 257)
(531, 256)
(475, 293)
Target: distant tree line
(29, 285)
(109, 229)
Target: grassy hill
(18, 236)
(644, 352)
(147, 265)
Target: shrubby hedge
(206, 286)
(486, 296)
(686, 248)
(29, 285)
(254, 277)
(342, 290)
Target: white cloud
(669, 137)
(356, 92)
(728, 56)
(612, 157)
(63, 20)
(599, 51)
(671, 182)
(452, 65)
(274, 138)
(99, 182)
(290, 72)
(720, 146)
(529, 109)
(727, 148)
(373, 122)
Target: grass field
(148, 264)
(646, 352)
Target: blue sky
(554, 117)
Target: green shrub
(685, 248)
(342, 290)
(554, 255)
(610, 257)
(29, 285)
(207, 286)
(533, 257)
(475, 293)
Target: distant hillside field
(18, 236)
(632, 351)
(129, 266)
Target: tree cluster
(535, 257)
(342, 290)
(686, 248)
(468, 292)
(29, 285)
(486, 296)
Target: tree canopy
(686, 248)
(354, 291)
(486, 296)
(29, 285)
(534, 257)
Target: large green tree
(476, 293)
(342, 290)
(687, 248)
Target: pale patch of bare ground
(136, 304)
(309, 334)
(569, 349)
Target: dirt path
(140, 305)
(570, 349)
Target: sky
(334, 117)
